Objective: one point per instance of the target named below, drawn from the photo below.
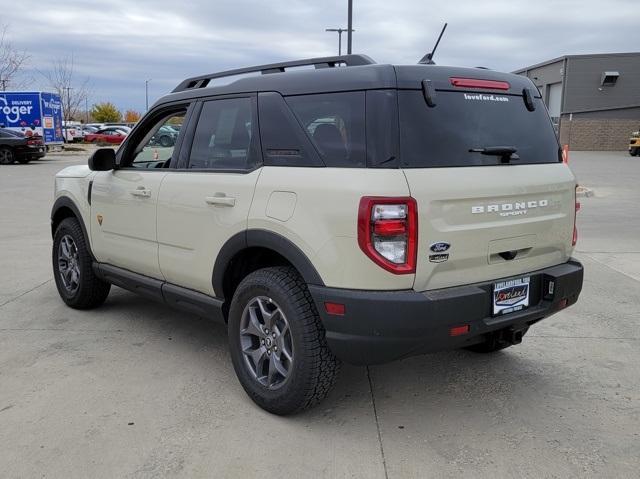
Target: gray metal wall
(545, 75)
(583, 80)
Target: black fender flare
(65, 202)
(265, 239)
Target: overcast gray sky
(120, 43)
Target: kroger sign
(16, 110)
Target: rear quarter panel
(317, 209)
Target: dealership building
(593, 100)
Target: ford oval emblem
(439, 247)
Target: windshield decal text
(481, 97)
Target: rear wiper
(506, 153)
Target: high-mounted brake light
(388, 232)
(477, 83)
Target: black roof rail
(321, 62)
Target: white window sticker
(483, 97)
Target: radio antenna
(428, 58)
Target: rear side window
(335, 123)
(223, 137)
(284, 143)
(441, 136)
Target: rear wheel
(6, 156)
(77, 284)
(278, 344)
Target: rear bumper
(31, 153)
(381, 326)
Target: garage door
(555, 99)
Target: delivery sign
(51, 117)
(20, 110)
(32, 113)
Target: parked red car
(106, 135)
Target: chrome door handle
(141, 191)
(220, 200)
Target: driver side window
(156, 148)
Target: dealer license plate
(511, 295)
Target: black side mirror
(103, 159)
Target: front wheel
(278, 344)
(77, 284)
(634, 151)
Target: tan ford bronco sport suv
(350, 212)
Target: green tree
(105, 112)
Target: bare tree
(12, 61)
(73, 92)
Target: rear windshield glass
(441, 136)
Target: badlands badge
(99, 217)
(438, 258)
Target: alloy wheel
(68, 264)
(266, 343)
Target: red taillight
(476, 83)
(34, 141)
(388, 232)
(390, 227)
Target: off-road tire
(91, 291)
(7, 157)
(314, 368)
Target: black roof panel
(334, 79)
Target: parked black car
(14, 146)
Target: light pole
(339, 30)
(349, 26)
(146, 93)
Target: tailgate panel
(499, 221)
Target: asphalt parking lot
(134, 389)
